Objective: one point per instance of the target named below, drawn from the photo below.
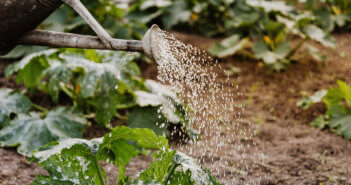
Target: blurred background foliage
(259, 29)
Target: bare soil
(293, 152)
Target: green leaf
(21, 50)
(31, 131)
(316, 54)
(199, 174)
(160, 95)
(148, 117)
(320, 122)
(307, 101)
(12, 102)
(70, 161)
(57, 75)
(346, 90)
(319, 35)
(32, 58)
(175, 14)
(102, 82)
(333, 96)
(159, 167)
(75, 161)
(268, 6)
(228, 46)
(340, 120)
(116, 146)
(273, 59)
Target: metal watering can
(18, 19)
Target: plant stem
(169, 174)
(247, 54)
(121, 116)
(297, 47)
(68, 93)
(40, 108)
(101, 177)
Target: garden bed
(292, 151)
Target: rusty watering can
(18, 19)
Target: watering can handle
(70, 40)
(85, 14)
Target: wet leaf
(118, 147)
(12, 102)
(30, 68)
(148, 117)
(29, 132)
(70, 161)
(199, 174)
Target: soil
(292, 152)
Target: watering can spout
(29, 14)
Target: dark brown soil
(293, 152)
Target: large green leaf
(175, 14)
(160, 95)
(57, 75)
(169, 110)
(109, 84)
(30, 68)
(31, 131)
(269, 6)
(273, 59)
(316, 33)
(70, 161)
(340, 120)
(199, 174)
(148, 117)
(228, 46)
(12, 102)
(159, 167)
(75, 161)
(117, 146)
(180, 169)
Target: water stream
(201, 84)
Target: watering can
(19, 18)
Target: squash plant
(338, 115)
(76, 161)
(96, 85)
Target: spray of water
(193, 74)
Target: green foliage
(31, 131)
(330, 14)
(228, 46)
(12, 103)
(338, 115)
(99, 83)
(76, 161)
(307, 101)
(267, 24)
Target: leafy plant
(338, 115)
(330, 14)
(76, 161)
(31, 131)
(98, 84)
(12, 103)
(270, 27)
(307, 101)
